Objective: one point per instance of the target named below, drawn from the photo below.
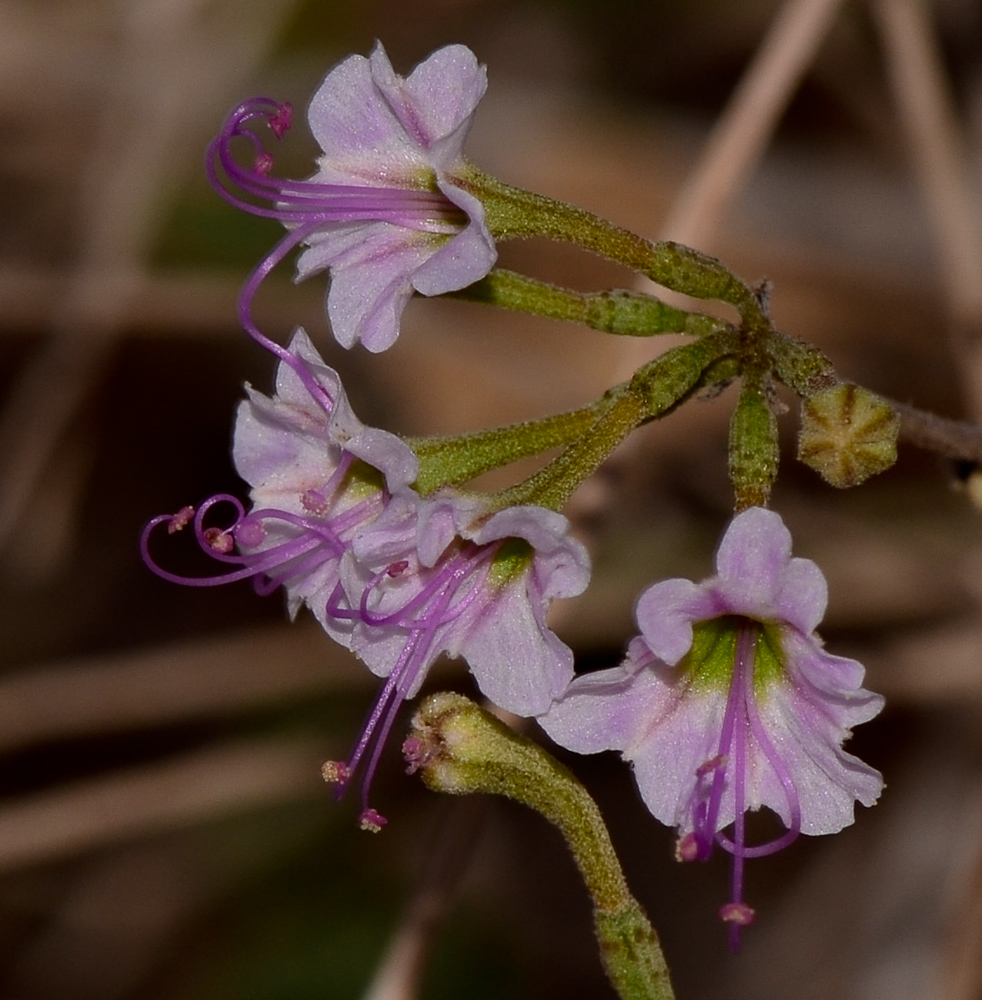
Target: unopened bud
(847, 434)
(458, 747)
(754, 449)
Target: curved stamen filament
(741, 723)
(374, 735)
(756, 727)
(438, 603)
(306, 207)
(707, 811)
(462, 565)
(742, 690)
(787, 785)
(318, 541)
(444, 582)
(296, 200)
(403, 676)
(317, 392)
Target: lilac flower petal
(376, 266)
(665, 614)
(828, 780)
(538, 526)
(834, 682)
(371, 279)
(680, 735)
(393, 532)
(439, 96)
(284, 445)
(601, 710)
(802, 596)
(444, 516)
(355, 125)
(275, 456)
(465, 258)
(516, 660)
(752, 557)
(561, 563)
(388, 453)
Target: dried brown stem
(164, 796)
(748, 122)
(950, 438)
(937, 147)
(170, 684)
(400, 970)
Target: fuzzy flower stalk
(728, 702)
(397, 578)
(384, 212)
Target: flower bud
(753, 446)
(847, 434)
(459, 748)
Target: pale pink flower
(728, 701)
(384, 213)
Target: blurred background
(164, 830)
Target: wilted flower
(727, 701)
(384, 212)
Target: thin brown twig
(171, 683)
(746, 126)
(950, 438)
(175, 793)
(398, 974)
(927, 110)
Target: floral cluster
(727, 700)
(396, 577)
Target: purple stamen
(180, 520)
(282, 120)
(335, 772)
(251, 533)
(314, 501)
(308, 206)
(737, 915)
(441, 584)
(372, 821)
(438, 602)
(318, 540)
(741, 720)
(218, 540)
(741, 687)
(381, 718)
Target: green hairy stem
(461, 749)
(629, 314)
(449, 461)
(512, 213)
